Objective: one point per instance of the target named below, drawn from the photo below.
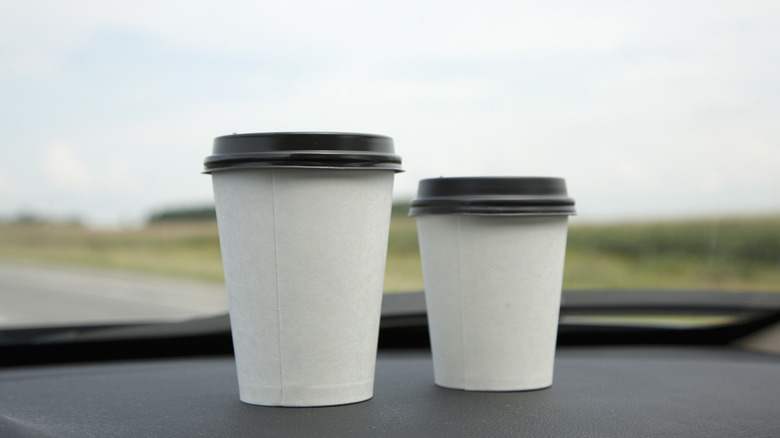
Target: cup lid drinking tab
(508, 196)
(302, 150)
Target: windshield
(661, 116)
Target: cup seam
(460, 295)
(278, 294)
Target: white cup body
(304, 255)
(493, 290)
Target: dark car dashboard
(687, 380)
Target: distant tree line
(184, 214)
(32, 218)
(400, 208)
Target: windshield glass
(661, 116)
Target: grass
(735, 253)
(404, 271)
(741, 254)
(188, 250)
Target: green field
(734, 254)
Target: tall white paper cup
(493, 272)
(304, 252)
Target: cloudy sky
(648, 109)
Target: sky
(662, 109)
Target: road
(39, 296)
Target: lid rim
(515, 196)
(274, 165)
(494, 213)
(302, 149)
(497, 200)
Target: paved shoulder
(34, 295)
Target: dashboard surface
(598, 392)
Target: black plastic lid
(302, 150)
(509, 196)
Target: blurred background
(664, 118)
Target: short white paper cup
(493, 280)
(304, 252)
